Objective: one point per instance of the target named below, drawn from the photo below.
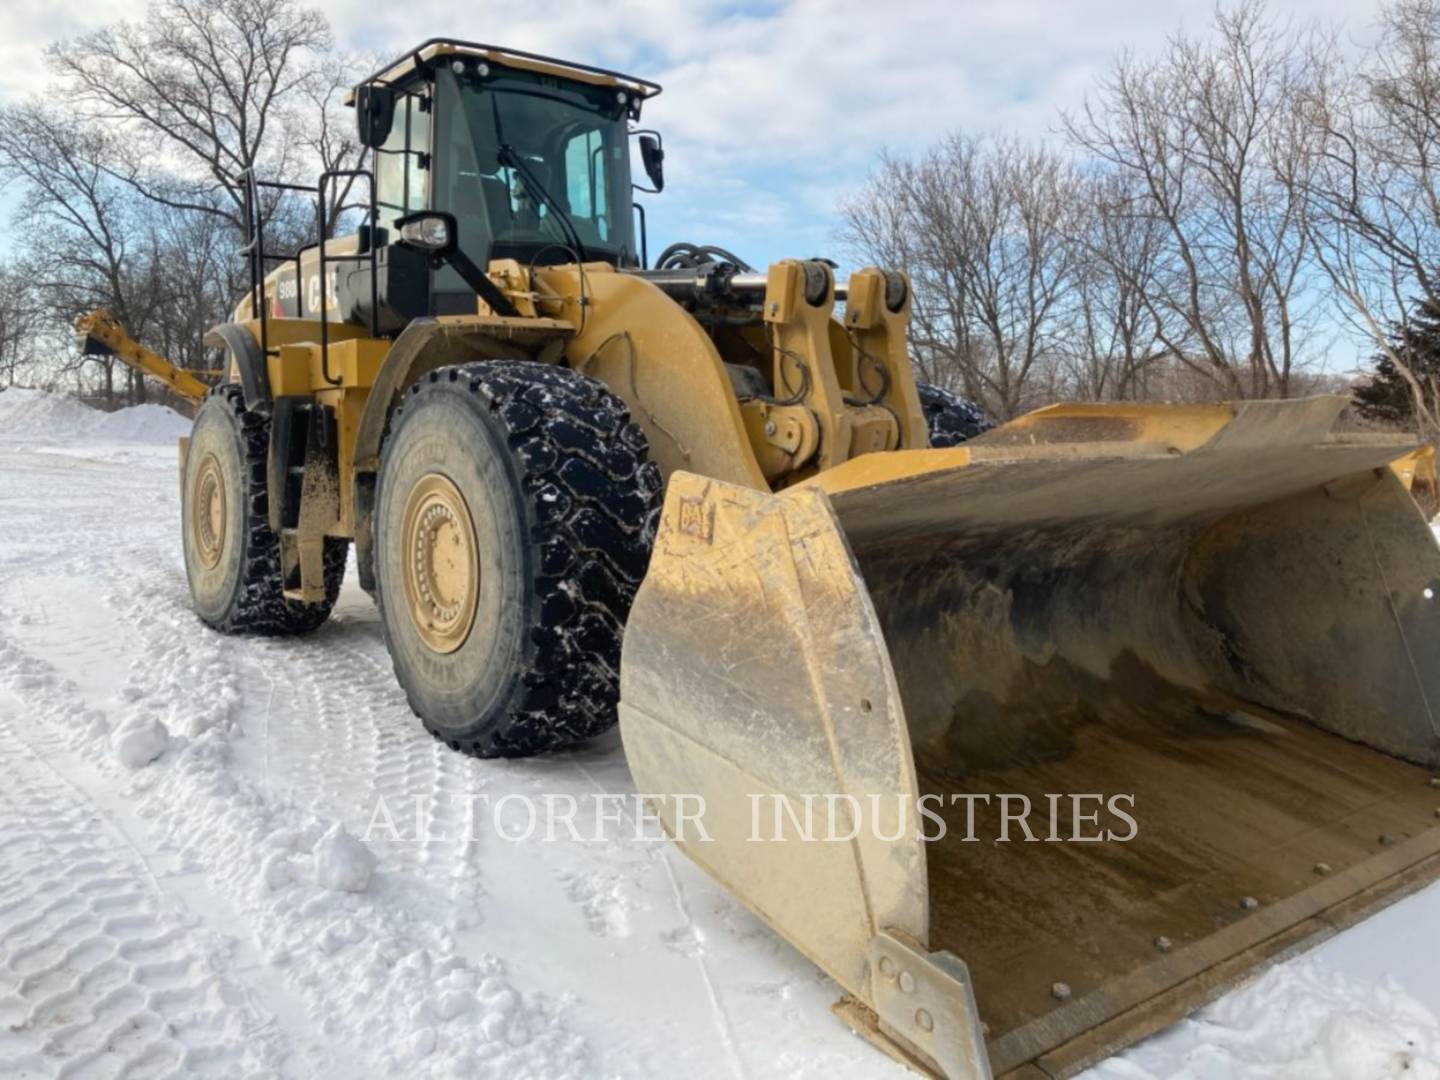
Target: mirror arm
(478, 280)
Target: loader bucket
(1226, 613)
(1416, 471)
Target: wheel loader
(713, 503)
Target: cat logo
(697, 518)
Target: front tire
(515, 509)
(232, 558)
(952, 419)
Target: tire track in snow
(97, 976)
(391, 974)
(348, 740)
(372, 974)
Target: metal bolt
(1322, 868)
(924, 1021)
(769, 427)
(1060, 991)
(907, 982)
(1162, 944)
(887, 967)
(1249, 903)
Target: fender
(242, 347)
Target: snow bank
(42, 415)
(141, 423)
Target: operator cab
(530, 156)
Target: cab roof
(434, 48)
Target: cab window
(402, 164)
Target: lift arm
(102, 335)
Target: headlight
(431, 232)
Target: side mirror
(652, 155)
(374, 113)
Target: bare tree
(199, 91)
(1116, 335)
(1375, 194)
(980, 227)
(135, 177)
(1212, 137)
(19, 322)
(327, 135)
(81, 249)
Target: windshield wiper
(506, 155)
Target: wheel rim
(209, 512)
(442, 568)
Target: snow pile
(139, 741)
(56, 417)
(342, 863)
(39, 412)
(1300, 1019)
(149, 423)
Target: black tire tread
(592, 504)
(261, 608)
(952, 418)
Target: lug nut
(1249, 903)
(1322, 868)
(1162, 944)
(1386, 838)
(1060, 991)
(907, 982)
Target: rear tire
(952, 419)
(514, 514)
(232, 558)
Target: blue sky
(772, 112)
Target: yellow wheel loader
(1066, 725)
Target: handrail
(370, 248)
(254, 249)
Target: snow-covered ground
(210, 911)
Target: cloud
(28, 26)
(771, 110)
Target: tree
(1415, 344)
(1375, 196)
(980, 227)
(1116, 334)
(200, 91)
(19, 322)
(1212, 138)
(81, 249)
(129, 187)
